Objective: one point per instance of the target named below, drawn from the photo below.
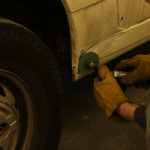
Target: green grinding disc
(82, 60)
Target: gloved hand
(139, 68)
(108, 94)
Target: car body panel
(72, 6)
(118, 44)
(132, 12)
(100, 28)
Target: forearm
(134, 113)
(126, 110)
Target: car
(44, 41)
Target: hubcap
(12, 89)
(8, 126)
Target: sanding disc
(82, 60)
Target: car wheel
(31, 91)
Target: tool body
(89, 63)
(116, 74)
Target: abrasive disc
(82, 60)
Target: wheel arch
(47, 19)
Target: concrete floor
(85, 124)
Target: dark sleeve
(140, 117)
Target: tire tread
(12, 29)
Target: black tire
(25, 55)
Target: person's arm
(134, 113)
(126, 110)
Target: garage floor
(85, 124)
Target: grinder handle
(92, 65)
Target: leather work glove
(108, 94)
(139, 71)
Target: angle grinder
(89, 63)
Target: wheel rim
(16, 101)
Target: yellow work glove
(139, 68)
(108, 94)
